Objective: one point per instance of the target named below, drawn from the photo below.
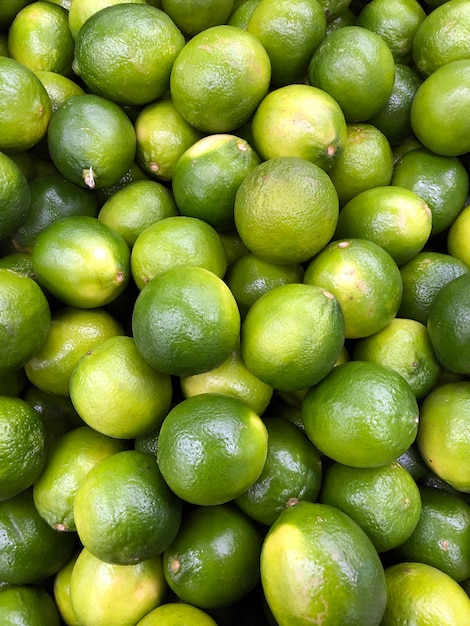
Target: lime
(385, 501)
(219, 78)
(231, 443)
(81, 261)
(23, 446)
(292, 336)
(124, 511)
(82, 10)
(116, 392)
(318, 565)
(286, 210)
(126, 51)
(175, 614)
(185, 321)
(197, 15)
(457, 241)
(299, 121)
(213, 539)
(25, 320)
(69, 460)
(443, 433)
(362, 414)
(27, 605)
(61, 591)
(99, 157)
(59, 87)
(15, 197)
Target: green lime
(176, 614)
(197, 15)
(15, 197)
(23, 604)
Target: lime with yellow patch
(116, 392)
(25, 107)
(385, 501)
(124, 511)
(207, 177)
(176, 241)
(292, 336)
(419, 593)
(364, 278)
(213, 539)
(395, 218)
(15, 196)
(61, 592)
(299, 121)
(457, 241)
(311, 552)
(361, 414)
(24, 604)
(69, 460)
(25, 320)
(104, 593)
(185, 321)
(81, 261)
(225, 465)
(443, 433)
(98, 157)
(126, 53)
(286, 210)
(219, 78)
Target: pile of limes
(234, 312)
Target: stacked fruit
(234, 312)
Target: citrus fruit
(385, 501)
(441, 181)
(250, 277)
(233, 244)
(317, 564)
(405, 347)
(421, 594)
(25, 107)
(72, 332)
(346, 18)
(52, 197)
(441, 537)
(69, 460)
(365, 162)
(125, 52)
(25, 319)
(61, 591)
(231, 443)
(396, 22)
(40, 39)
(212, 540)
(104, 593)
(394, 118)
(219, 78)
(286, 210)
(362, 414)
(197, 15)
(59, 87)
(207, 176)
(365, 280)
(457, 240)
(292, 473)
(23, 446)
(116, 392)
(124, 511)
(334, 8)
(99, 157)
(133, 174)
(449, 324)
(185, 321)
(31, 550)
(443, 433)
(230, 378)
(135, 206)
(81, 261)
(356, 67)
(442, 37)
(82, 10)
(423, 277)
(290, 31)
(163, 135)
(299, 121)
(436, 110)
(15, 196)
(292, 336)
(174, 242)
(176, 613)
(27, 605)
(395, 218)
(8, 11)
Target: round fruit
(15, 196)
(24, 604)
